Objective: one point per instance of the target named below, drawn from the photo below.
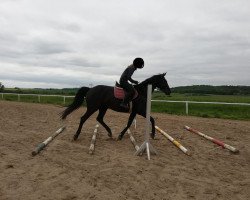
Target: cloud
(67, 44)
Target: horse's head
(161, 83)
(157, 81)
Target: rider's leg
(130, 92)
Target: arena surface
(65, 170)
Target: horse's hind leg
(87, 114)
(102, 112)
(130, 120)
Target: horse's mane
(143, 85)
(150, 80)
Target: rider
(125, 77)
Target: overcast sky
(72, 43)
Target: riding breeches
(130, 91)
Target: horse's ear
(164, 74)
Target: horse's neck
(143, 88)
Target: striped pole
(175, 142)
(133, 140)
(218, 142)
(41, 146)
(92, 144)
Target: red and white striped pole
(218, 142)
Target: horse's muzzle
(167, 92)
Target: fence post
(39, 98)
(186, 107)
(64, 101)
(18, 97)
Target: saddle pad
(120, 94)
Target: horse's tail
(78, 100)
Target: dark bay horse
(102, 98)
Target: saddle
(119, 92)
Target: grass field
(202, 110)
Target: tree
(1, 87)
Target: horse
(101, 97)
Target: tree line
(1, 87)
(209, 89)
(194, 89)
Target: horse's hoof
(75, 137)
(119, 137)
(110, 135)
(152, 135)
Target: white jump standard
(92, 144)
(41, 146)
(146, 146)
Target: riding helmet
(138, 63)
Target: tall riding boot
(125, 101)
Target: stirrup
(124, 105)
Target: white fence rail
(200, 102)
(163, 101)
(38, 96)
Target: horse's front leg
(130, 120)
(153, 127)
(152, 124)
